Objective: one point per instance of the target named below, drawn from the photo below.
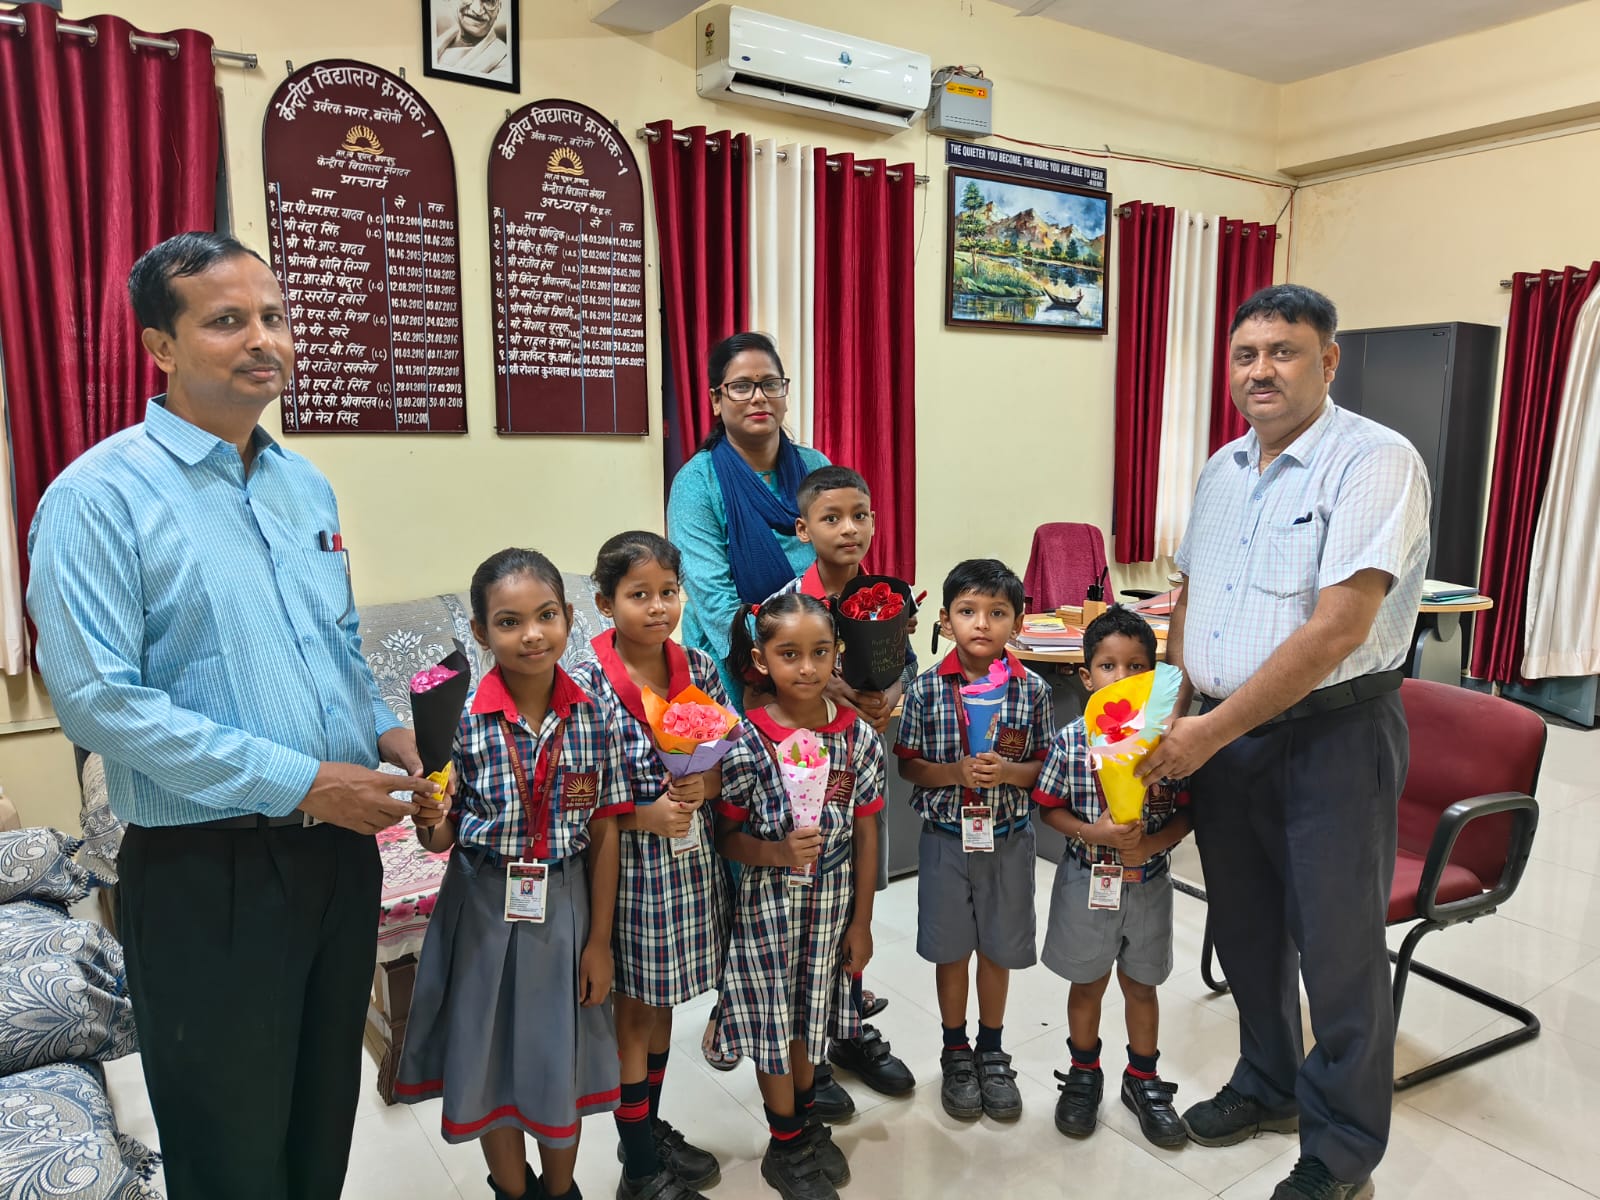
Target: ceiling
(1284, 40)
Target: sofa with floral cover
(64, 1010)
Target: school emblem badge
(580, 789)
(1010, 743)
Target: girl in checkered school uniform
(511, 1016)
(671, 927)
(796, 938)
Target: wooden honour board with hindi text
(566, 230)
(362, 218)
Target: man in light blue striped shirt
(196, 629)
(1303, 565)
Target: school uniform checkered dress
(496, 1028)
(671, 925)
(784, 978)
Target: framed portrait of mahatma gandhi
(473, 41)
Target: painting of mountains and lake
(1022, 254)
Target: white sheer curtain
(1186, 393)
(13, 626)
(783, 267)
(1563, 621)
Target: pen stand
(1091, 610)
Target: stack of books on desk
(1437, 592)
(1049, 633)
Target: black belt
(258, 821)
(1328, 699)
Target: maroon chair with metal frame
(1467, 820)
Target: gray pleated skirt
(495, 1026)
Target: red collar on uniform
(632, 697)
(762, 720)
(952, 665)
(494, 697)
(811, 583)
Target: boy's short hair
(987, 577)
(828, 479)
(1118, 619)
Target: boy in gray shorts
(1127, 920)
(975, 860)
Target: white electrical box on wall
(961, 103)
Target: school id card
(977, 828)
(1105, 886)
(526, 885)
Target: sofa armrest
(1452, 822)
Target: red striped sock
(657, 1067)
(785, 1128)
(639, 1157)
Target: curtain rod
(683, 139)
(247, 61)
(1506, 283)
(1125, 210)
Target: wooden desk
(1437, 645)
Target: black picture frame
(492, 61)
(1008, 265)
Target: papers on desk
(1435, 591)
(1156, 606)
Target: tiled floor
(1521, 1125)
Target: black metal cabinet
(1436, 384)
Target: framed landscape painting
(1024, 254)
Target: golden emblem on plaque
(565, 161)
(362, 140)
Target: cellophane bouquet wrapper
(693, 732)
(804, 767)
(872, 616)
(438, 695)
(1125, 721)
(980, 706)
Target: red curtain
(702, 200)
(866, 341)
(105, 150)
(1244, 267)
(1544, 310)
(1144, 273)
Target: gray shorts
(1083, 944)
(981, 901)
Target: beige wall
(421, 512)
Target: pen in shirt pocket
(332, 542)
(1305, 520)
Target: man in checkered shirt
(1303, 566)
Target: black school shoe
(998, 1083)
(1231, 1117)
(868, 1056)
(795, 1170)
(1311, 1180)
(663, 1185)
(1078, 1110)
(833, 1103)
(695, 1167)
(532, 1187)
(829, 1156)
(1151, 1101)
(960, 1094)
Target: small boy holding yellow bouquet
(1112, 900)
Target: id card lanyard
(977, 814)
(527, 881)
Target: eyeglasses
(744, 390)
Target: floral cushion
(411, 878)
(37, 864)
(102, 832)
(58, 1137)
(63, 990)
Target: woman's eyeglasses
(744, 390)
